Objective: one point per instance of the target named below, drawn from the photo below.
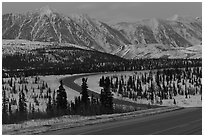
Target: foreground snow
(34, 90)
(193, 101)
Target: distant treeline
(73, 67)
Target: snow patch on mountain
(45, 11)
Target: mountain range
(175, 37)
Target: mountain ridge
(47, 25)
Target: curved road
(69, 82)
(185, 121)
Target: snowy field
(53, 82)
(35, 94)
(181, 101)
(93, 84)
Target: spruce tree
(14, 89)
(120, 89)
(84, 88)
(10, 113)
(101, 81)
(36, 80)
(11, 82)
(33, 110)
(61, 100)
(22, 107)
(116, 83)
(53, 100)
(107, 97)
(4, 108)
(49, 108)
(26, 89)
(3, 82)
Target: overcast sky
(112, 12)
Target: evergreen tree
(61, 100)
(101, 81)
(116, 83)
(84, 88)
(4, 108)
(11, 82)
(43, 85)
(22, 102)
(107, 97)
(10, 113)
(26, 89)
(22, 107)
(46, 85)
(49, 108)
(36, 80)
(53, 100)
(33, 110)
(14, 89)
(120, 89)
(111, 83)
(152, 92)
(139, 88)
(130, 82)
(186, 92)
(157, 78)
(93, 100)
(174, 101)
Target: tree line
(94, 65)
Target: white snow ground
(53, 83)
(181, 101)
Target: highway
(69, 82)
(181, 122)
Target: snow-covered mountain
(155, 38)
(176, 32)
(48, 26)
(107, 37)
(122, 39)
(45, 26)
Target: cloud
(122, 5)
(86, 6)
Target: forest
(25, 99)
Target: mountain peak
(46, 10)
(82, 16)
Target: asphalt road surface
(181, 122)
(185, 121)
